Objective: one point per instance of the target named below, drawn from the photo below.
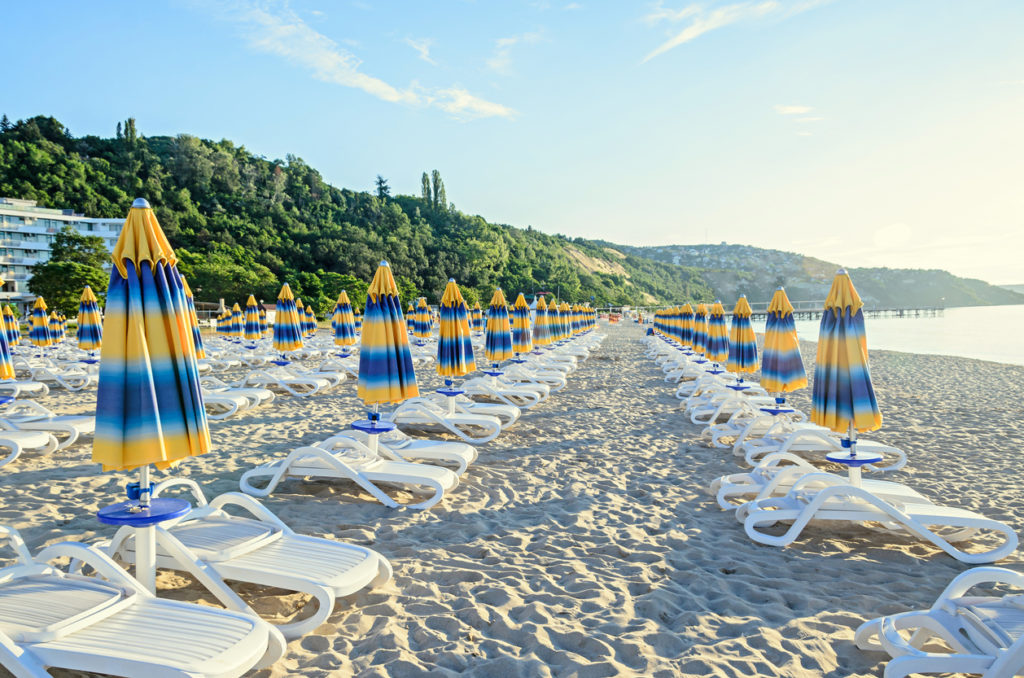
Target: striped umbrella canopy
(718, 334)
(197, 336)
(359, 318)
(541, 328)
(237, 327)
(264, 325)
(310, 325)
(149, 408)
(498, 336)
(686, 325)
(422, 325)
(843, 397)
(782, 367)
(565, 318)
(575, 319)
(11, 327)
(344, 321)
(300, 309)
(90, 325)
(224, 323)
(454, 345)
(251, 327)
(55, 328)
(6, 364)
(287, 327)
(742, 342)
(522, 336)
(700, 329)
(477, 318)
(410, 318)
(39, 333)
(554, 321)
(386, 374)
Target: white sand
(582, 542)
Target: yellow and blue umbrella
(149, 406)
(310, 325)
(522, 336)
(359, 318)
(700, 329)
(224, 323)
(11, 328)
(477, 318)
(287, 326)
(421, 327)
(843, 398)
(197, 336)
(410, 318)
(454, 345)
(565, 320)
(90, 326)
(300, 309)
(6, 364)
(53, 324)
(554, 321)
(251, 326)
(386, 374)
(264, 325)
(541, 328)
(237, 326)
(686, 325)
(498, 338)
(343, 321)
(39, 334)
(718, 335)
(742, 342)
(782, 368)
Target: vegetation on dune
(244, 224)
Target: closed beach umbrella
(300, 310)
(700, 329)
(498, 337)
(742, 342)
(554, 321)
(264, 325)
(287, 327)
(565, 317)
(311, 325)
(843, 398)
(251, 320)
(224, 323)
(39, 333)
(686, 325)
(53, 323)
(11, 326)
(386, 374)
(90, 329)
(345, 329)
(782, 368)
(359, 318)
(477, 319)
(6, 365)
(410, 318)
(149, 407)
(541, 328)
(454, 346)
(522, 337)
(421, 327)
(718, 335)
(197, 336)
(237, 322)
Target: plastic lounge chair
(72, 379)
(358, 463)
(475, 429)
(982, 635)
(816, 441)
(19, 387)
(255, 396)
(20, 441)
(523, 396)
(296, 386)
(28, 415)
(505, 414)
(214, 545)
(831, 498)
(534, 374)
(407, 449)
(114, 626)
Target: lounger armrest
(258, 510)
(978, 576)
(197, 492)
(96, 559)
(17, 543)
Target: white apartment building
(26, 233)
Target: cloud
(422, 47)
(501, 60)
(782, 109)
(272, 28)
(702, 19)
(573, 5)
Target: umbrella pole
(145, 539)
(855, 477)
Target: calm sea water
(983, 332)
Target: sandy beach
(583, 541)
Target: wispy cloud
(701, 19)
(422, 47)
(573, 5)
(273, 28)
(783, 109)
(501, 60)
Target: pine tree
(5, 124)
(425, 181)
(438, 186)
(383, 190)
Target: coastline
(583, 542)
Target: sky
(862, 132)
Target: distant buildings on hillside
(26, 233)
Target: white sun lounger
(18, 387)
(401, 447)
(355, 462)
(21, 441)
(810, 440)
(824, 497)
(475, 429)
(506, 414)
(72, 378)
(28, 415)
(214, 545)
(523, 396)
(114, 626)
(283, 381)
(981, 635)
(255, 396)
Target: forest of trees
(244, 224)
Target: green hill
(242, 223)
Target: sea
(993, 333)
